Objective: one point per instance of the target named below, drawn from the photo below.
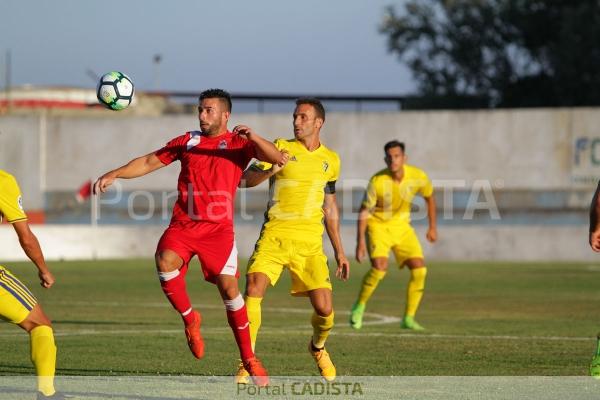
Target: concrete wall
(529, 149)
(516, 151)
(464, 243)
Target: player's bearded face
(394, 158)
(213, 117)
(306, 122)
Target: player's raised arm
(135, 168)
(265, 150)
(432, 218)
(254, 175)
(332, 226)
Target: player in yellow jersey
(384, 225)
(17, 303)
(302, 198)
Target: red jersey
(211, 169)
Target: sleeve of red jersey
(249, 151)
(172, 150)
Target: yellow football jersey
(297, 192)
(390, 201)
(11, 206)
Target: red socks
(237, 316)
(173, 285)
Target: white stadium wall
(514, 151)
(467, 243)
(522, 148)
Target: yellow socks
(254, 316)
(43, 356)
(369, 284)
(414, 292)
(321, 325)
(321, 328)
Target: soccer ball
(115, 90)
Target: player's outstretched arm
(361, 234)
(265, 150)
(594, 237)
(432, 217)
(332, 226)
(31, 247)
(135, 168)
(253, 175)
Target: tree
(499, 53)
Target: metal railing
(359, 102)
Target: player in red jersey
(212, 162)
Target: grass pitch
(111, 318)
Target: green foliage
(499, 53)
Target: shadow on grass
(84, 395)
(120, 323)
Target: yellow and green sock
(414, 292)
(369, 284)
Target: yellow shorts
(402, 240)
(16, 301)
(305, 260)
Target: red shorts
(214, 244)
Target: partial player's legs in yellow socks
(254, 316)
(43, 356)
(369, 284)
(414, 294)
(321, 328)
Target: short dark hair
(221, 94)
(391, 144)
(316, 103)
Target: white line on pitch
(380, 319)
(305, 330)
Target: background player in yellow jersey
(384, 224)
(302, 197)
(17, 303)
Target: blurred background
(496, 100)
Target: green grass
(111, 318)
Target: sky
(258, 46)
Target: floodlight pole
(43, 144)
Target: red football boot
(194, 338)
(257, 372)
